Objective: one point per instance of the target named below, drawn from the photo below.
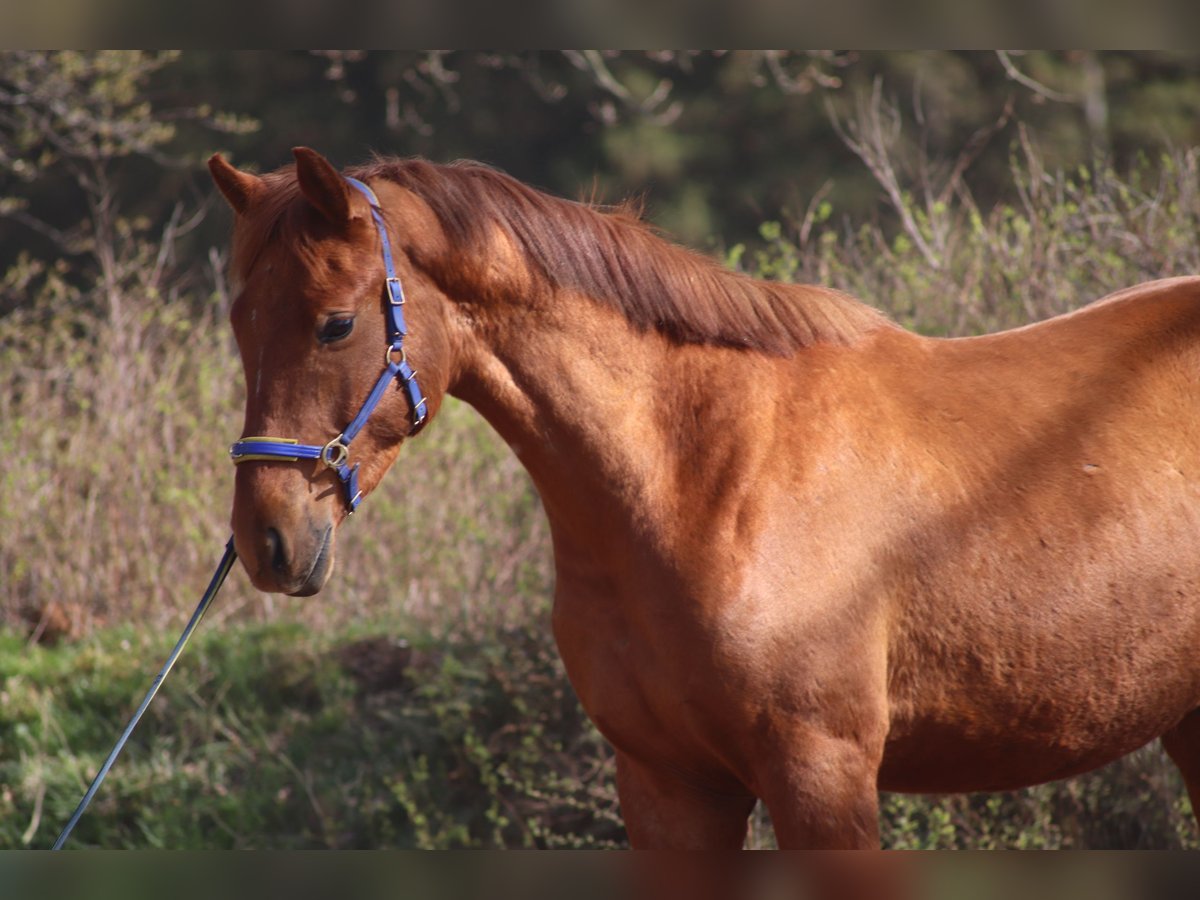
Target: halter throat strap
(336, 453)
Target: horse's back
(1149, 317)
(1119, 376)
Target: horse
(802, 554)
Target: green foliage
(76, 106)
(716, 141)
(1136, 803)
(79, 134)
(1068, 239)
(279, 737)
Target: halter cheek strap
(336, 453)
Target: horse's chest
(652, 690)
(619, 672)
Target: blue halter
(336, 453)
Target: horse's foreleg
(824, 797)
(1182, 744)
(664, 811)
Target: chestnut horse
(802, 555)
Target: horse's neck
(579, 395)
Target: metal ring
(340, 450)
(387, 356)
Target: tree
(76, 130)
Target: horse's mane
(615, 258)
(609, 254)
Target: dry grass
(117, 488)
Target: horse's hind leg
(1182, 744)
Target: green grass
(279, 737)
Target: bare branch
(1015, 74)
(65, 241)
(653, 105)
(872, 138)
(810, 214)
(592, 62)
(970, 152)
(166, 244)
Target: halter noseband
(335, 454)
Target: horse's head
(315, 325)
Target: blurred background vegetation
(418, 701)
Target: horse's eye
(336, 329)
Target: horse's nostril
(275, 549)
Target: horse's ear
(240, 188)
(322, 186)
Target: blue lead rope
(213, 587)
(336, 453)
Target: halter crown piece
(336, 454)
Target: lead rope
(214, 586)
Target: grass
(419, 701)
(274, 736)
(383, 735)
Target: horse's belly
(987, 738)
(1029, 661)
(942, 761)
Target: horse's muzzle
(322, 566)
(294, 561)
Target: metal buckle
(335, 453)
(395, 289)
